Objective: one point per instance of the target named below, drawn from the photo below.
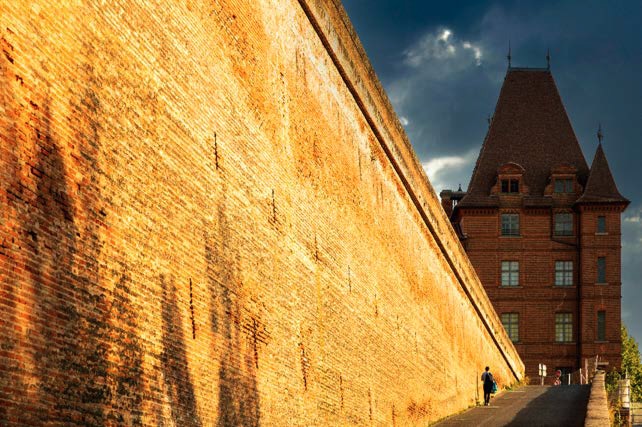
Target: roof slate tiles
(601, 187)
(530, 127)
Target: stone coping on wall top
(597, 411)
(333, 27)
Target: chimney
(449, 200)
(446, 201)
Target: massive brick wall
(211, 216)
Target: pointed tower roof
(530, 127)
(600, 187)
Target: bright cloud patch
(445, 35)
(632, 234)
(476, 51)
(435, 166)
(446, 172)
(442, 45)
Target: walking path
(529, 406)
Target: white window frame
(510, 224)
(563, 273)
(509, 273)
(564, 327)
(510, 321)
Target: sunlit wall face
(200, 226)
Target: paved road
(529, 406)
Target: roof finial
(459, 189)
(548, 59)
(600, 135)
(488, 119)
(509, 56)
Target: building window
(563, 327)
(510, 224)
(601, 224)
(601, 325)
(563, 224)
(564, 185)
(510, 273)
(601, 270)
(510, 186)
(563, 273)
(511, 324)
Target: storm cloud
(443, 66)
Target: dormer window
(564, 185)
(510, 180)
(563, 181)
(510, 185)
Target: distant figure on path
(487, 379)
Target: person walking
(487, 379)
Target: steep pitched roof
(530, 127)
(600, 187)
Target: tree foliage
(631, 364)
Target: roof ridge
(577, 141)
(481, 150)
(529, 69)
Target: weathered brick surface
(211, 216)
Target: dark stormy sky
(443, 63)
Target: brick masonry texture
(531, 143)
(211, 216)
(537, 299)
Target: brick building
(542, 229)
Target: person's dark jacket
(488, 382)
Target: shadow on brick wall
(71, 320)
(178, 382)
(118, 329)
(125, 379)
(237, 389)
(79, 360)
(11, 375)
(11, 369)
